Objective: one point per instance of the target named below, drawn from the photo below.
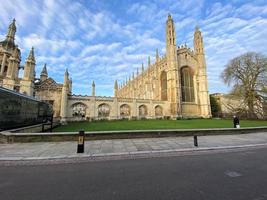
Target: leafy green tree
(215, 107)
(247, 74)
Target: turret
(64, 98)
(170, 34)
(202, 74)
(29, 69)
(115, 88)
(93, 89)
(173, 85)
(44, 74)
(198, 42)
(27, 82)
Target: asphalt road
(226, 176)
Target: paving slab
(56, 150)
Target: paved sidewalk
(56, 150)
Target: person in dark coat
(235, 121)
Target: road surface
(227, 175)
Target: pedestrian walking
(236, 122)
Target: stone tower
(202, 82)
(27, 82)
(44, 74)
(173, 89)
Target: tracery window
(158, 111)
(103, 110)
(125, 110)
(79, 110)
(187, 85)
(142, 111)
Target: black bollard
(195, 141)
(80, 147)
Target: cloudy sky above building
(105, 40)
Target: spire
(93, 88)
(148, 61)
(169, 17)
(137, 72)
(44, 74)
(115, 88)
(143, 67)
(66, 77)
(133, 75)
(116, 84)
(11, 31)
(44, 70)
(157, 55)
(31, 55)
(29, 67)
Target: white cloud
(102, 44)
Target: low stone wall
(9, 137)
(33, 129)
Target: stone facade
(10, 58)
(174, 86)
(178, 77)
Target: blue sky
(105, 40)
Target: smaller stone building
(232, 105)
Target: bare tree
(248, 76)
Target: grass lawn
(155, 124)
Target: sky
(107, 40)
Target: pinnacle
(197, 28)
(31, 55)
(116, 84)
(44, 71)
(13, 23)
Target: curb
(132, 154)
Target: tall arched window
(187, 85)
(163, 86)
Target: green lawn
(155, 124)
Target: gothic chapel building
(175, 85)
(179, 77)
